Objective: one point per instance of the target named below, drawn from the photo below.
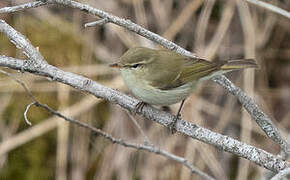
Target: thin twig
(45, 126)
(99, 23)
(270, 7)
(124, 143)
(21, 83)
(28, 92)
(26, 111)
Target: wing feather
(178, 70)
(192, 70)
(198, 69)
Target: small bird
(163, 77)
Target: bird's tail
(237, 64)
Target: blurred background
(214, 29)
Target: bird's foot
(138, 107)
(173, 123)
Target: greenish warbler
(163, 77)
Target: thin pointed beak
(116, 65)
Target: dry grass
(213, 29)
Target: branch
(225, 143)
(282, 174)
(23, 43)
(228, 144)
(146, 147)
(261, 118)
(257, 114)
(253, 109)
(271, 7)
(23, 7)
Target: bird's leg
(138, 107)
(178, 116)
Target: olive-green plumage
(155, 76)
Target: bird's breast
(146, 93)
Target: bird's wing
(179, 70)
(192, 70)
(165, 77)
(166, 70)
(195, 69)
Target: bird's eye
(135, 65)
